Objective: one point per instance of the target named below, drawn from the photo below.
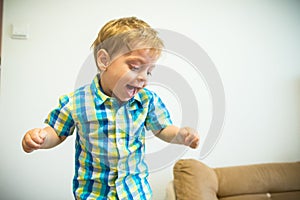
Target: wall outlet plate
(20, 31)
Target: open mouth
(131, 90)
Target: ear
(103, 59)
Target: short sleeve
(60, 118)
(158, 116)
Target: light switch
(20, 31)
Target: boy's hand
(188, 137)
(33, 140)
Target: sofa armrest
(194, 180)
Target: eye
(134, 67)
(149, 72)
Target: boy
(111, 114)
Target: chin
(122, 98)
(125, 96)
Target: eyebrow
(143, 64)
(137, 59)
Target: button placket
(120, 132)
(123, 121)
(113, 153)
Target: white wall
(255, 46)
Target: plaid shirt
(110, 140)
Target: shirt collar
(101, 97)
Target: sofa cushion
(278, 181)
(267, 196)
(258, 179)
(191, 177)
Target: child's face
(128, 74)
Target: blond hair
(121, 36)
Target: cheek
(121, 79)
(117, 73)
(127, 76)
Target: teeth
(131, 90)
(130, 87)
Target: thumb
(42, 134)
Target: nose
(142, 78)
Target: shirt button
(121, 166)
(121, 141)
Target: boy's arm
(41, 139)
(173, 134)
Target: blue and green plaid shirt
(110, 140)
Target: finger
(184, 132)
(195, 143)
(189, 138)
(35, 136)
(192, 131)
(25, 147)
(29, 143)
(181, 136)
(192, 140)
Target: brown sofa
(193, 180)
